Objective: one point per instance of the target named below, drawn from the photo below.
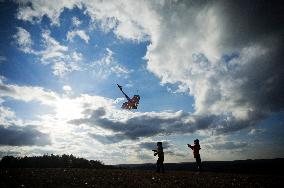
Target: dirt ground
(58, 177)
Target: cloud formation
(107, 65)
(76, 21)
(80, 33)
(6, 115)
(218, 64)
(229, 145)
(52, 9)
(53, 53)
(136, 125)
(121, 16)
(49, 131)
(132, 126)
(22, 136)
(28, 93)
(226, 56)
(152, 145)
(23, 40)
(58, 56)
(63, 60)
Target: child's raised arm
(191, 147)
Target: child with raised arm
(160, 162)
(195, 148)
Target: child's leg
(162, 166)
(158, 166)
(198, 161)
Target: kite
(132, 103)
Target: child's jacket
(195, 148)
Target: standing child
(196, 148)
(160, 162)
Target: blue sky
(197, 78)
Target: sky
(211, 70)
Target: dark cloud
(144, 156)
(238, 68)
(251, 21)
(257, 23)
(147, 125)
(178, 154)
(144, 125)
(22, 136)
(152, 145)
(6, 89)
(256, 131)
(229, 145)
(108, 139)
(263, 88)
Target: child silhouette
(160, 162)
(195, 148)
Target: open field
(72, 177)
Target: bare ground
(70, 177)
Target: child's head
(196, 141)
(159, 143)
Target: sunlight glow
(68, 109)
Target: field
(76, 177)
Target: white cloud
(77, 56)
(123, 17)
(61, 68)
(118, 100)
(107, 65)
(130, 31)
(64, 137)
(23, 40)
(52, 9)
(76, 21)
(120, 15)
(256, 131)
(67, 88)
(28, 93)
(80, 33)
(59, 56)
(6, 114)
(15, 131)
(54, 53)
(108, 24)
(62, 61)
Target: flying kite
(132, 103)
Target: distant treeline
(50, 161)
